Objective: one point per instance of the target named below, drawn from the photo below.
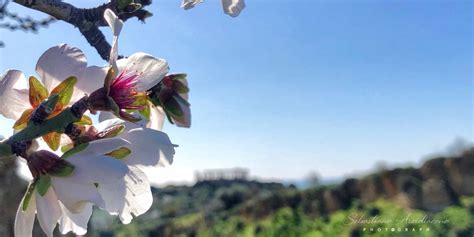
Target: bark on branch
(88, 20)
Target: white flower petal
(113, 21)
(22, 169)
(157, 118)
(92, 166)
(233, 7)
(108, 120)
(13, 94)
(63, 61)
(104, 116)
(116, 25)
(77, 223)
(97, 169)
(25, 220)
(100, 147)
(150, 69)
(188, 4)
(131, 197)
(75, 195)
(149, 147)
(48, 211)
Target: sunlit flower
(150, 74)
(118, 95)
(64, 188)
(231, 7)
(147, 149)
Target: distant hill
(441, 187)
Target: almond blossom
(155, 69)
(147, 148)
(67, 197)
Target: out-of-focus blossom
(230, 7)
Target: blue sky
(292, 86)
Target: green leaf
(75, 150)
(37, 93)
(64, 90)
(85, 120)
(62, 168)
(43, 184)
(155, 100)
(27, 197)
(146, 112)
(67, 147)
(120, 153)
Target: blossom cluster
(85, 164)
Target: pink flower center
(124, 91)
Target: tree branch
(37, 128)
(88, 20)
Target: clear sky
(292, 86)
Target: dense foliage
(220, 208)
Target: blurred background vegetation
(232, 205)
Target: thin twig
(88, 20)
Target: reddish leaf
(38, 92)
(23, 120)
(53, 140)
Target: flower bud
(45, 162)
(172, 94)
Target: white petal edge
(188, 4)
(102, 146)
(74, 195)
(25, 220)
(157, 118)
(233, 7)
(150, 69)
(48, 211)
(97, 169)
(62, 61)
(116, 25)
(75, 222)
(13, 94)
(129, 198)
(149, 147)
